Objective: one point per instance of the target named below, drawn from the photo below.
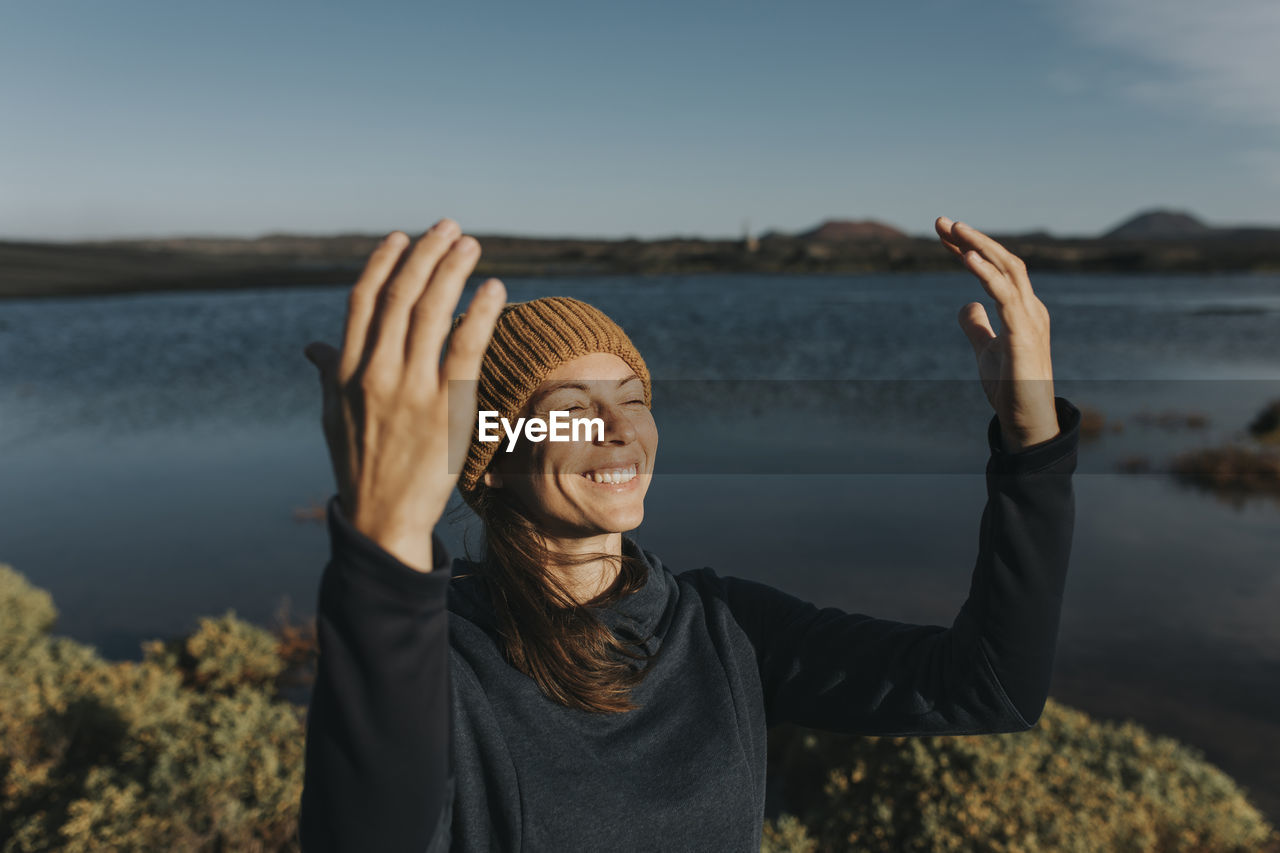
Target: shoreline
(36, 270)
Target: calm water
(825, 434)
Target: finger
(400, 294)
(327, 361)
(433, 312)
(363, 299)
(471, 336)
(1007, 262)
(324, 357)
(460, 370)
(976, 326)
(994, 281)
(943, 226)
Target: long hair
(545, 633)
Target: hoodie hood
(643, 613)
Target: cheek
(556, 481)
(648, 429)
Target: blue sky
(644, 119)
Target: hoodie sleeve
(378, 774)
(989, 672)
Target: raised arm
(377, 774)
(377, 752)
(989, 672)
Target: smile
(611, 476)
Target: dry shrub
(193, 749)
(1231, 473)
(1092, 423)
(787, 835)
(1173, 420)
(190, 749)
(1266, 426)
(1069, 784)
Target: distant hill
(1040, 235)
(1156, 241)
(1159, 225)
(845, 230)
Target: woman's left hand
(1014, 366)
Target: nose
(618, 428)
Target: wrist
(1018, 440)
(410, 546)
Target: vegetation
(1233, 474)
(189, 749)
(1236, 473)
(195, 748)
(1265, 427)
(1069, 784)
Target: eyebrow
(580, 386)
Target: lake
(824, 434)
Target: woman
(569, 692)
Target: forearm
(377, 761)
(1015, 598)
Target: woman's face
(574, 489)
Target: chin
(620, 520)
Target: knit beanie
(531, 339)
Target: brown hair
(573, 656)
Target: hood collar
(632, 618)
(639, 614)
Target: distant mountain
(846, 230)
(1160, 225)
(1040, 236)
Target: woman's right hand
(387, 419)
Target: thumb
(976, 326)
(323, 356)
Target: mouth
(616, 477)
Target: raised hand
(1014, 366)
(386, 394)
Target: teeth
(612, 476)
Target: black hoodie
(421, 737)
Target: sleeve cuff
(369, 558)
(1038, 456)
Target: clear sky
(123, 118)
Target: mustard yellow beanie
(530, 340)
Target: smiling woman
(567, 691)
(554, 513)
